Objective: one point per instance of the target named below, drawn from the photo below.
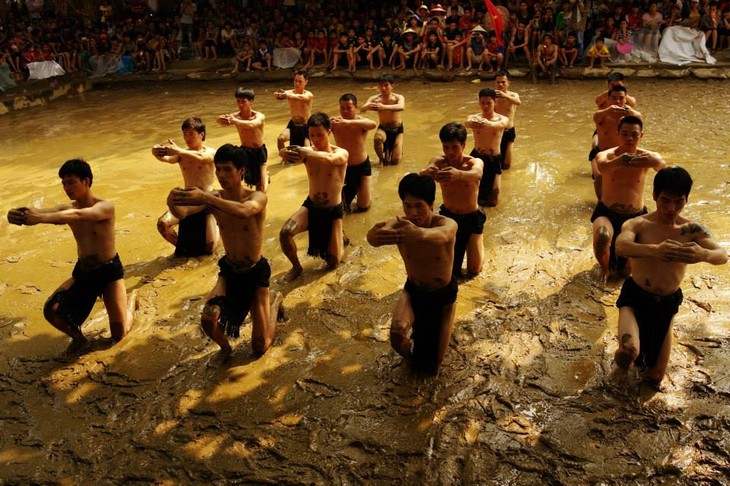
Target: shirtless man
(322, 211)
(607, 121)
(300, 107)
(459, 177)
(197, 234)
(624, 169)
(506, 104)
(424, 315)
(351, 133)
(603, 101)
(243, 280)
(488, 127)
(613, 79)
(250, 126)
(388, 139)
(98, 271)
(660, 245)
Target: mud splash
(522, 397)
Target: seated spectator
(343, 52)
(228, 42)
(648, 36)
(431, 52)
(494, 54)
(569, 50)
(709, 24)
(518, 43)
(547, 55)
(476, 48)
(262, 57)
(384, 52)
(409, 50)
(724, 29)
(211, 37)
(598, 51)
(243, 58)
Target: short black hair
(348, 97)
(453, 131)
(502, 72)
(78, 167)
(630, 120)
(195, 123)
(618, 88)
(488, 92)
(231, 153)
(615, 76)
(244, 93)
(386, 78)
(301, 72)
(673, 180)
(418, 186)
(319, 120)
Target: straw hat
(424, 7)
(409, 31)
(479, 28)
(438, 9)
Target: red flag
(496, 18)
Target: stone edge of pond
(41, 92)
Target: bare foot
(77, 347)
(277, 306)
(293, 274)
(221, 358)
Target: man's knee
(399, 332)
(603, 236)
(209, 318)
(625, 356)
(50, 308)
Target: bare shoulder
(209, 153)
(439, 221)
(468, 161)
(694, 230)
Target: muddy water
(522, 397)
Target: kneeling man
(424, 315)
(243, 281)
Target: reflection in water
(520, 398)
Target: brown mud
(523, 396)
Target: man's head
(74, 173)
(501, 80)
(319, 130)
(300, 80)
(672, 186)
(418, 194)
(617, 95)
(193, 130)
(487, 97)
(453, 141)
(631, 131)
(244, 94)
(230, 165)
(348, 106)
(385, 83)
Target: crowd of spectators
(128, 35)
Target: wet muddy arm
(254, 205)
(100, 211)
